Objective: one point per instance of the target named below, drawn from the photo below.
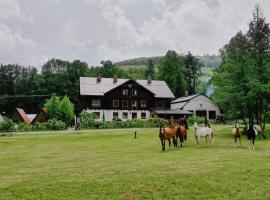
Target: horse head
(195, 125)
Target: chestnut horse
(236, 133)
(167, 134)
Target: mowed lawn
(114, 165)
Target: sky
(34, 31)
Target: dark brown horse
(167, 134)
(181, 133)
(183, 122)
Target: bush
(7, 125)
(87, 119)
(199, 120)
(54, 124)
(23, 127)
(40, 126)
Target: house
(41, 117)
(18, 115)
(125, 99)
(1, 118)
(198, 104)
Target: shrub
(23, 127)
(54, 124)
(197, 119)
(87, 119)
(7, 125)
(40, 126)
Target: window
(212, 114)
(160, 104)
(97, 115)
(125, 92)
(134, 115)
(143, 115)
(115, 115)
(125, 115)
(143, 103)
(201, 113)
(96, 102)
(125, 104)
(115, 103)
(134, 92)
(134, 103)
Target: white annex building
(198, 104)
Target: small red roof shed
(18, 115)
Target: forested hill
(207, 60)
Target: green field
(114, 165)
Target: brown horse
(183, 122)
(236, 134)
(181, 133)
(167, 134)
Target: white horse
(203, 132)
(259, 131)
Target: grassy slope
(113, 165)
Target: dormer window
(125, 92)
(134, 92)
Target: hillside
(212, 61)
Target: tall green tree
(108, 69)
(259, 36)
(231, 79)
(61, 109)
(171, 70)
(192, 72)
(150, 69)
(242, 83)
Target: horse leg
(169, 143)
(197, 141)
(175, 141)
(253, 140)
(206, 140)
(249, 144)
(235, 140)
(162, 144)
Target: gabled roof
(23, 115)
(185, 99)
(90, 86)
(42, 111)
(173, 112)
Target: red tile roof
(23, 115)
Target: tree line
(242, 82)
(26, 88)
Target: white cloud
(32, 31)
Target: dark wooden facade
(128, 96)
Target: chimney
(149, 80)
(114, 79)
(186, 93)
(98, 79)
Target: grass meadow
(111, 164)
